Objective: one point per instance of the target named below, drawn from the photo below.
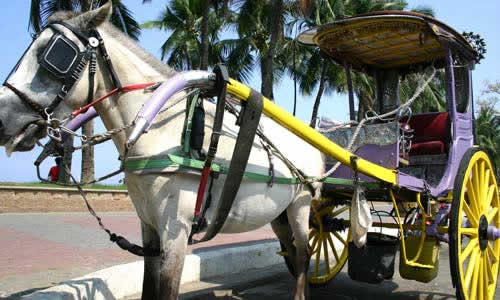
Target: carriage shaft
(313, 137)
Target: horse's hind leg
(298, 218)
(151, 281)
(283, 232)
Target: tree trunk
(204, 36)
(66, 160)
(352, 112)
(267, 62)
(88, 154)
(267, 76)
(321, 89)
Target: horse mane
(123, 39)
(138, 50)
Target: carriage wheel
(474, 258)
(328, 248)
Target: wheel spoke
(332, 245)
(489, 197)
(472, 196)
(470, 215)
(475, 277)
(491, 214)
(492, 253)
(477, 189)
(340, 238)
(481, 278)
(482, 185)
(470, 267)
(327, 259)
(469, 231)
(316, 263)
(486, 182)
(338, 212)
(473, 244)
(488, 268)
(312, 234)
(314, 243)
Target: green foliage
(433, 97)
(122, 17)
(182, 19)
(487, 123)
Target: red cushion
(430, 127)
(428, 148)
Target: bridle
(64, 60)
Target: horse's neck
(122, 109)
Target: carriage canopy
(388, 40)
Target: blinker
(60, 56)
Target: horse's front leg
(298, 218)
(174, 244)
(151, 281)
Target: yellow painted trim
(313, 137)
(413, 261)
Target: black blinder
(60, 56)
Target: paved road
(276, 283)
(40, 250)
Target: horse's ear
(94, 17)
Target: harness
(63, 59)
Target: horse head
(45, 84)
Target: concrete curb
(125, 280)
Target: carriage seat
(431, 135)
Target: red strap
(201, 190)
(124, 89)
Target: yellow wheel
(474, 258)
(328, 244)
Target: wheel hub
(483, 232)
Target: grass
(48, 185)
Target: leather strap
(249, 122)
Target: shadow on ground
(84, 289)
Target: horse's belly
(255, 206)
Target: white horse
(164, 201)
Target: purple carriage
(445, 189)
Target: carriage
(441, 186)
(447, 180)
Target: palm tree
(122, 18)
(316, 71)
(204, 49)
(260, 27)
(182, 48)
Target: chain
(101, 137)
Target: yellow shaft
(312, 136)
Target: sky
(478, 16)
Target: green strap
(173, 160)
(187, 135)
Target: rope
(417, 93)
(113, 237)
